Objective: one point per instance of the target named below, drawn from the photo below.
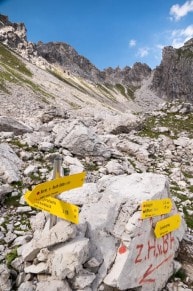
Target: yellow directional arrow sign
(155, 207)
(41, 196)
(167, 225)
(55, 187)
(56, 207)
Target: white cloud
(143, 52)
(177, 11)
(160, 46)
(132, 43)
(180, 36)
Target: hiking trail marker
(42, 197)
(152, 208)
(167, 225)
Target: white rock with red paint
(142, 260)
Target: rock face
(111, 246)
(8, 124)
(80, 140)
(10, 164)
(128, 76)
(173, 78)
(64, 55)
(12, 34)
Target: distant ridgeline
(171, 80)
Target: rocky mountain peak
(12, 34)
(173, 78)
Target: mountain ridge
(171, 80)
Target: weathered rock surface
(11, 125)
(110, 233)
(173, 78)
(80, 140)
(10, 164)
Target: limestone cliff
(173, 79)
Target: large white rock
(142, 260)
(122, 123)
(10, 164)
(59, 233)
(68, 258)
(13, 125)
(5, 282)
(80, 140)
(52, 284)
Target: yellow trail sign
(56, 186)
(155, 207)
(56, 207)
(167, 225)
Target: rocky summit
(131, 131)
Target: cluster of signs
(160, 207)
(42, 197)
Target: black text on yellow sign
(56, 207)
(41, 197)
(155, 207)
(57, 186)
(167, 225)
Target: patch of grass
(66, 171)
(187, 175)
(173, 122)
(188, 218)
(131, 91)
(185, 53)
(12, 75)
(190, 188)
(181, 274)
(69, 82)
(90, 167)
(121, 89)
(134, 166)
(106, 92)
(128, 92)
(3, 87)
(7, 57)
(25, 220)
(35, 177)
(11, 256)
(17, 143)
(147, 128)
(12, 200)
(74, 105)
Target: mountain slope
(26, 89)
(67, 78)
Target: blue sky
(109, 33)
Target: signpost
(42, 195)
(167, 225)
(155, 207)
(57, 208)
(56, 186)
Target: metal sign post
(57, 173)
